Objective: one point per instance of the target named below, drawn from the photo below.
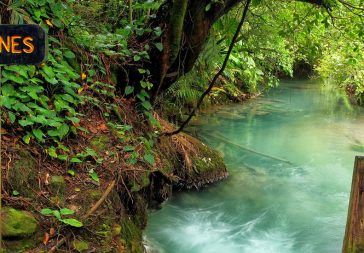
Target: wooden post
(354, 234)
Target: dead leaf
(47, 178)
(52, 232)
(103, 127)
(49, 23)
(45, 238)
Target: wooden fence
(354, 234)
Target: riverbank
(99, 188)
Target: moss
(58, 185)
(132, 235)
(177, 19)
(17, 224)
(22, 245)
(23, 175)
(208, 160)
(93, 195)
(207, 167)
(99, 142)
(80, 246)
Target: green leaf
(12, 117)
(208, 7)
(46, 211)
(69, 54)
(71, 172)
(149, 158)
(158, 31)
(52, 152)
(128, 148)
(49, 72)
(25, 122)
(147, 105)
(38, 133)
(15, 193)
(94, 176)
(66, 211)
(159, 46)
(91, 152)
(136, 58)
(60, 131)
(75, 160)
(27, 138)
(72, 222)
(57, 214)
(129, 90)
(62, 157)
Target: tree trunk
(186, 25)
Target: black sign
(22, 44)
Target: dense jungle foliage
(89, 41)
(123, 65)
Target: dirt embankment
(111, 206)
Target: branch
(220, 72)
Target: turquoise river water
(290, 156)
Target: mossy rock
(207, 167)
(17, 224)
(23, 174)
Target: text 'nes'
(22, 44)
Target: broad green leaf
(94, 176)
(12, 117)
(52, 152)
(26, 122)
(63, 130)
(62, 157)
(128, 148)
(75, 160)
(159, 46)
(72, 222)
(71, 172)
(69, 54)
(46, 211)
(57, 214)
(27, 138)
(147, 105)
(66, 211)
(38, 133)
(129, 90)
(149, 158)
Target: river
(290, 155)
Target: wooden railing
(354, 234)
